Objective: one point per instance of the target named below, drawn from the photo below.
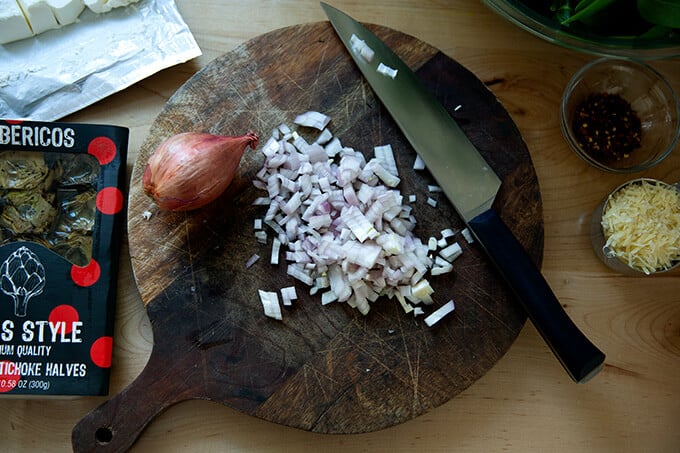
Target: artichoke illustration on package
(61, 214)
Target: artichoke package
(61, 214)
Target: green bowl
(578, 37)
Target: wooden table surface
(526, 402)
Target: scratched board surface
(328, 368)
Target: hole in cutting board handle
(103, 435)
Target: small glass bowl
(651, 97)
(599, 241)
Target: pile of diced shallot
(343, 228)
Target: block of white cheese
(103, 6)
(66, 11)
(20, 19)
(97, 6)
(39, 14)
(13, 23)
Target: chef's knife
(471, 185)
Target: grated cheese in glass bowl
(636, 229)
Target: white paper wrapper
(58, 72)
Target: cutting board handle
(115, 425)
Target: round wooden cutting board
(325, 369)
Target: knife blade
(470, 184)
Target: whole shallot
(191, 169)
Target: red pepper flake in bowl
(606, 127)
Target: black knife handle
(578, 355)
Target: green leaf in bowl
(587, 8)
(660, 12)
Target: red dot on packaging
(64, 314)
(103, 148)
(109, 200)
(101, 351)
(86, 275)
(9, 375)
